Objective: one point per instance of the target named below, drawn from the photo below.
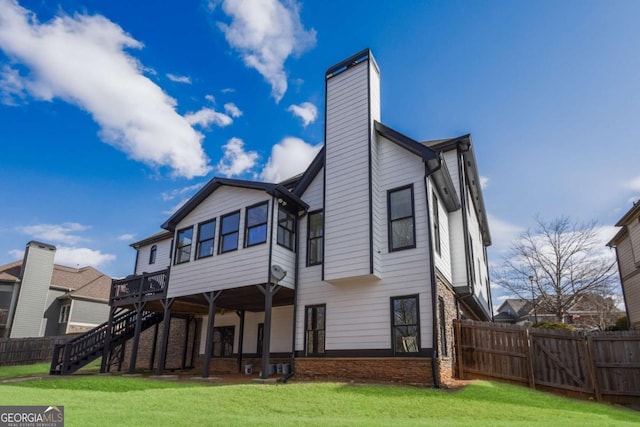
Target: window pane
(230, 242)
(320, 318)
(320, 342)
(310, 342)
(184, 254)
(257, 215)
(315, 251)
(405, 312)
(400, 204)
(402, 233)
(185, 237)
(206, 248)
(230, 223)
(257, 235)
(206, 230)
(315, 225)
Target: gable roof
(464, 145)
(275, 190)
(305, 180)
(11, 272)
(154, 238)
(632, 213)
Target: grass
(114, 400)
(38, 369)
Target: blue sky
(112, 113)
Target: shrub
(556, 326)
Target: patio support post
(152, 359)
(166, 329)
(139, 306)
(269, 290)
(240, 313)
(211, 298)
(106, 350)
(187, 324)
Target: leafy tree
(557, 263)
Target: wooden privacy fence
(23, 351)
(602, 365)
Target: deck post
(240, 313)
(269, 290)
(139, 306)
(106, 350)
(211, 298)
(166, 329)
(185, 346)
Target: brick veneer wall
(229, 365)
(450, 312)
(413, 370)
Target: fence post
(458, 333)
(530, 359)
(591, 363)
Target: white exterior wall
(348, 126)
(281, 330)
(358, 313)
(457, 250)
(163, 257)
(626, 259)
(479, 264)
(634, 235)
(443, 259)
(242, 267)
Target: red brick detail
(408, 370)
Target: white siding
(443, 259)
(378, 199)
(479, 265)
(163, 257)
(632, 299)
(245, 266)
(358, 313)
(625, 257)
(347, 226)
(634, 235)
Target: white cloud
(210, 98)
(12, 90)
(206, 117)
(266, 33)
(503, 233)
(634, 184)
(66, 233)
(232, 109)
(289, 157)
(83, 60)
(126, 237)
(484, 182)
(228, 90)
(181, 192)
(236, 160)
(179, 79)
(72, 256)
(306, 111)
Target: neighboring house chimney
(37, 269)
(351, 187)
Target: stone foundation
(447, 297)
(410, 370)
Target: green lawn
(114, 400)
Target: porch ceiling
(248, 298)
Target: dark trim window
(405, 324)
(436, 222)
(152, 254)
(471, 261)
(229, 232)
(223, 341)
(206, 234)
(402, 233)
(315, 238)
(65, 310)
(183, 247)
(442, 320)
(286, 229)
(256, 224)
(314, 321)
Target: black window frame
(224, 334)
(436, 223)
(319, 239)
(222, 235)
(394, 327)
(249, 227)
(315, 331)
(442, 320)
(285, 230)
(153, 253)
(390, 220)
(200, 241)
(178, 248)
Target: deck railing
(144, 287)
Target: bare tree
(557, 263)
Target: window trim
(222, 235)
(390, 221)
(178, 247)
(247, 227)
(437, 238)
(292, 232)
(306, 331)
(309, 238)
(233, 339)
(199, 241)
(393, 326)
(442, 320)
(153, 253)
(65, 313)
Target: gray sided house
(627, 245)
(354, 269)
(39, 298)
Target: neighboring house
(39, 298)
(589, 312)
(383, 240)
(627, 245)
